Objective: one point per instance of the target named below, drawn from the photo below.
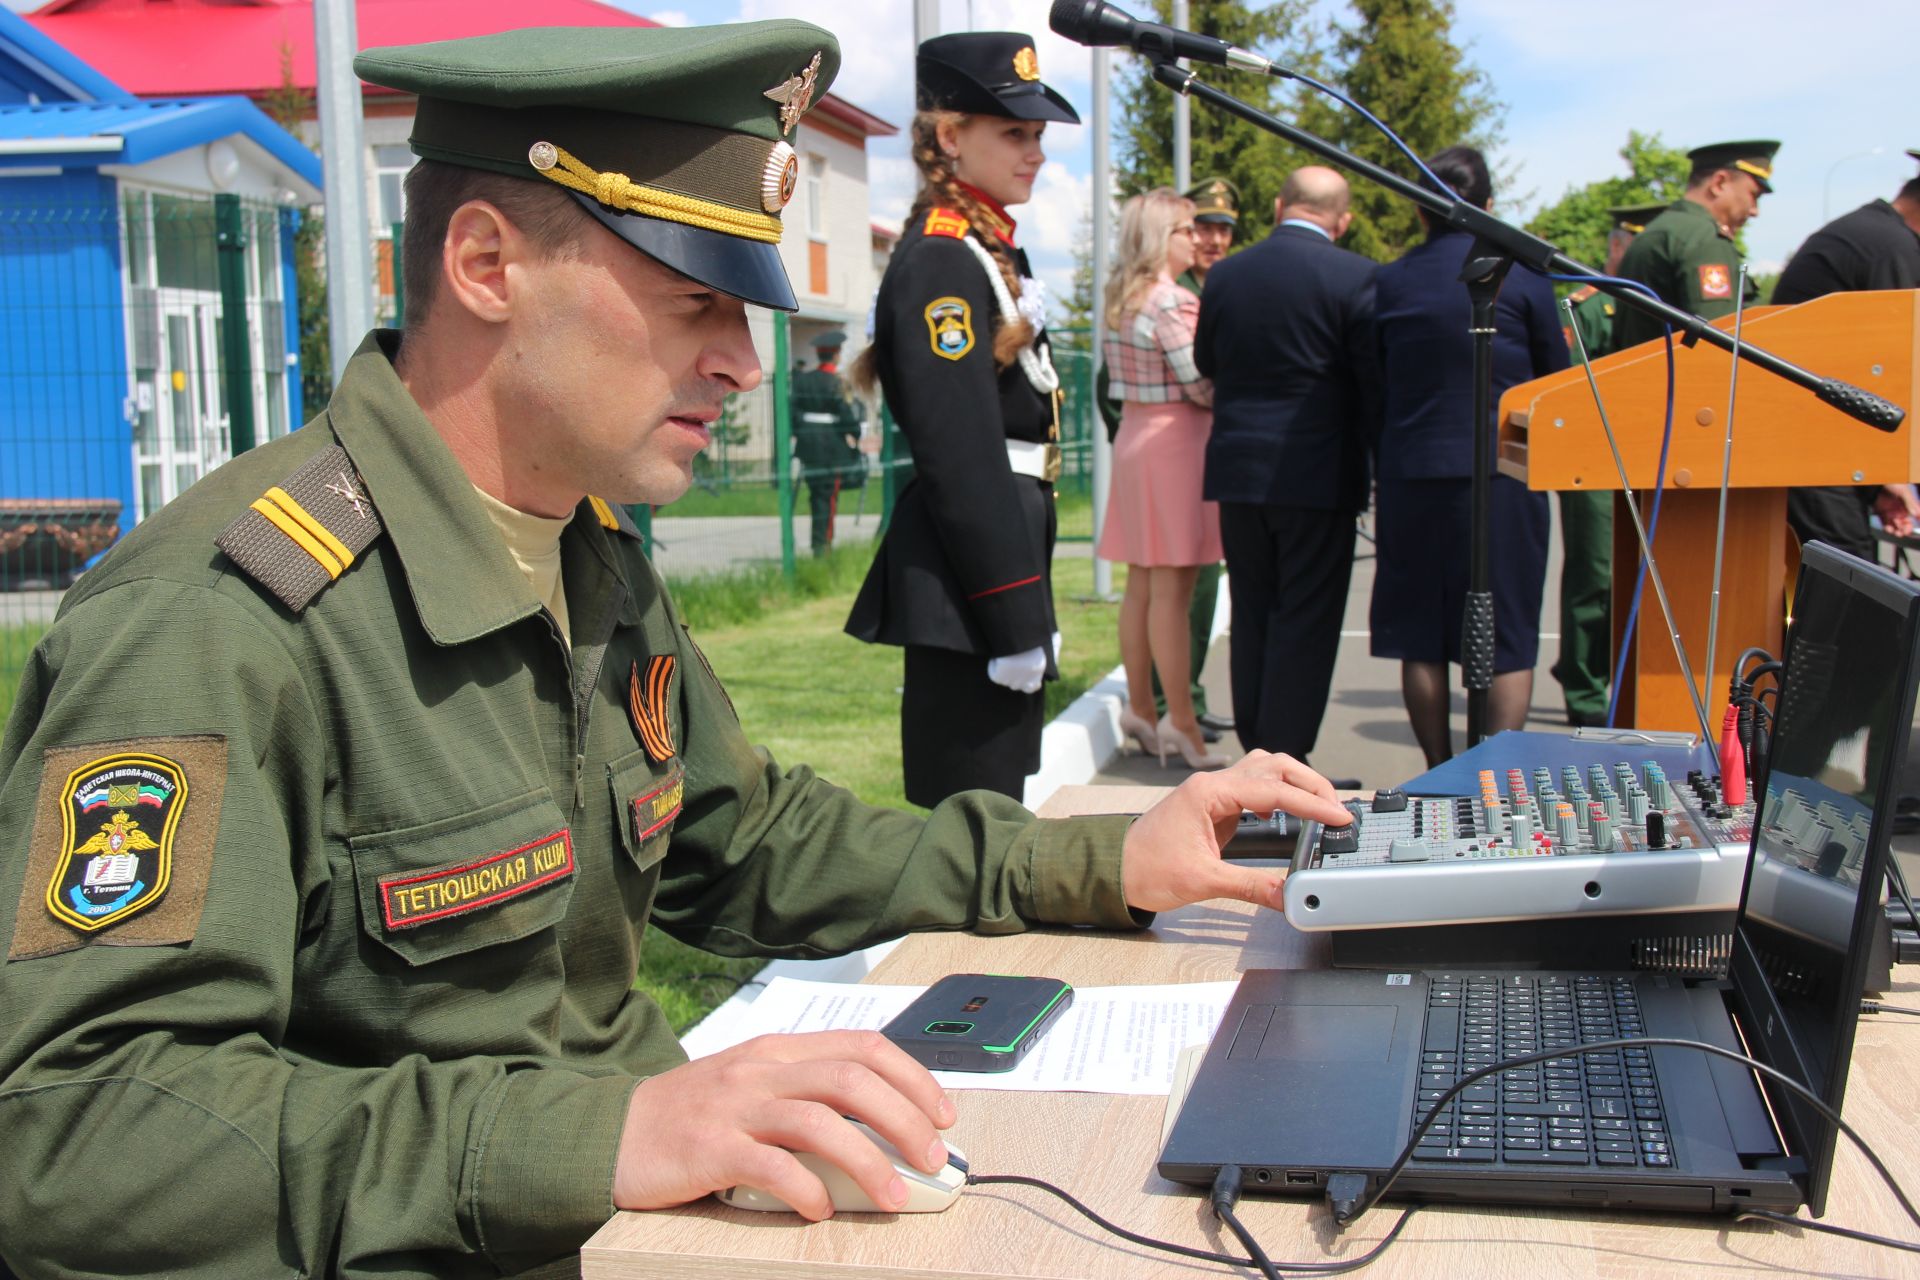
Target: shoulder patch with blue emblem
(950, 327)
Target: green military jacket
(1689, 262)
(398, 848)
(826, 428)
(1593, 313)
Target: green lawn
(810, 693)
(16, 644)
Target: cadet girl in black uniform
(962, 579)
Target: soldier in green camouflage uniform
(1586, 518)
(826, 437)
(336, 801)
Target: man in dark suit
(1286, 334)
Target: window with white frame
(817, 197)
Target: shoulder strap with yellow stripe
(613, 517)
(306, 531)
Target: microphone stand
(1497, 246)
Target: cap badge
(1026, 64)
(795, 95)
(543, 156)
(778, 179)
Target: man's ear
(473, 260)
(1340, 227)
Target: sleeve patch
(1716, 281)
(950, 327)
(118, 857)
(945, 222)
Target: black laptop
(1317, 1073)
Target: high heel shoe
(1196, 756)
(1143, 734)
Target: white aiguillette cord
(1037, 365)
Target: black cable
(1020, 1180)
(1898, 879)
(1185, 1251)
(1792, 1221)
(1634, 1042)
(1874, 1006)
(1226, 1214)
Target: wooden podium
(1550, 437)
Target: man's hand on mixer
(1172, 854)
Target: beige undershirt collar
(534, 543)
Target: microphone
(1095, 23)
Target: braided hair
(940, 188)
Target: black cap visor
(749, 270)
(1035, 101)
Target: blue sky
(1830, 80)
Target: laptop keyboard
(1601, 1108)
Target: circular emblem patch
(779, 178)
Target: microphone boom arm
(1530, 250)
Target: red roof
(189, 48)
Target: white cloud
(671, 18)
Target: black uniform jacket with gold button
(964, 564)
(379, 1017)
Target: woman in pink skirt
(1157, 523)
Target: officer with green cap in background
(336, 800)
(1586, 517)
(1687, 254)
(826, 436)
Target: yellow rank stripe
(308, 534)
(600, 508)
(1760, 171)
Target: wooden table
(1102, 1148)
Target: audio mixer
(1607, 840)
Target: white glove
(1020, 672)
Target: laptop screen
(1819, 849)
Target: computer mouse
(926, 1192)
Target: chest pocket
(647, 798)
(451, 887)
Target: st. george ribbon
(1094, 23)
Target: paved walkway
(1365, 734)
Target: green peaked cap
(677, 139)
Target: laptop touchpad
(1329, 1033)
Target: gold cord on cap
(617, 191)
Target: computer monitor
(1820, 844)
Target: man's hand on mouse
(737, 1117)
(1172, 854)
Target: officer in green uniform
(1687, 254)
(1586, 518)
(826, 436)
(337, 799)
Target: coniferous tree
(1223, 145)
(1399, 60)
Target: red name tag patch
(413, 898)
(652, 811)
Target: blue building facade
(147, 299)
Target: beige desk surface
(1102, 1148)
